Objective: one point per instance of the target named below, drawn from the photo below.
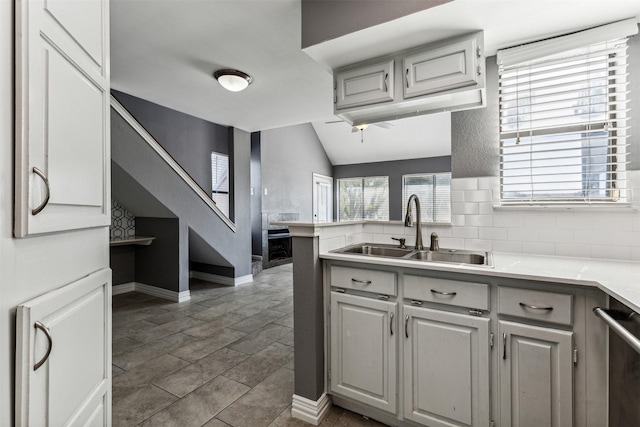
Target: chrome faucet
(408, 221)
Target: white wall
(289, 157)
(32, 266)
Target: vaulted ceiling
(166, 51)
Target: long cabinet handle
(386, 78)
(536, 307)
(406, 75)
(504, 346)
(391, 323)
(42, 175)
(43, 328)
(364, 282)
(406, 326)
(452, 294)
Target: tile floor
(224, 358)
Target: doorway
(322, 198)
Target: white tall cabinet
(62, 116)
(55, 271)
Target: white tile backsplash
(476, 225)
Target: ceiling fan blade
(384, 125)
(335, 121)
(354, 129)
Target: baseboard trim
(310, 411)
(123, 288)
(151, 290)
(222, 280)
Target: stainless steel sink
(451, 256)
(376, 250)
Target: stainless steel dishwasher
(624, 363)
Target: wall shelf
(136, 240)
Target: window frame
(610, 186)
(224, 207)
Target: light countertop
(620, 279)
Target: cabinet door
(441, 69)
(62, 112)
(536, 376)
(73, 384)
(364, 86)
(363, 350)
(446, 368)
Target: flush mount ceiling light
(233, 80)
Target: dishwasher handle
(611, 318)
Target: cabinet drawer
(539, 305)
(380, 282)
(364, 86)
(452, 292)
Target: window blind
(220, 181)
(434, 192)
(563, 126)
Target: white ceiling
(411, 138)
(165, 51)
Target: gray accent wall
(290, 156)
(394, 170)
(159, 263)
(139, 171)
(325, 20)
(475, 134)
(188, 139)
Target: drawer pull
(450, 294)
(364, 282)
(535, 307)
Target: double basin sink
(450, 256)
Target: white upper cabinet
(442, 69)
(364, 85)
(447, 75)
(62, 116)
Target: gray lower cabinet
(446, 368)
(464, 350)
(363, 350)
(536, 375)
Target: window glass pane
(363, 198)
(376, 198)
(350, 199)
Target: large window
(220, 181)
(434, 192)
(363, 199)
(563, 119)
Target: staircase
(148, 181)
